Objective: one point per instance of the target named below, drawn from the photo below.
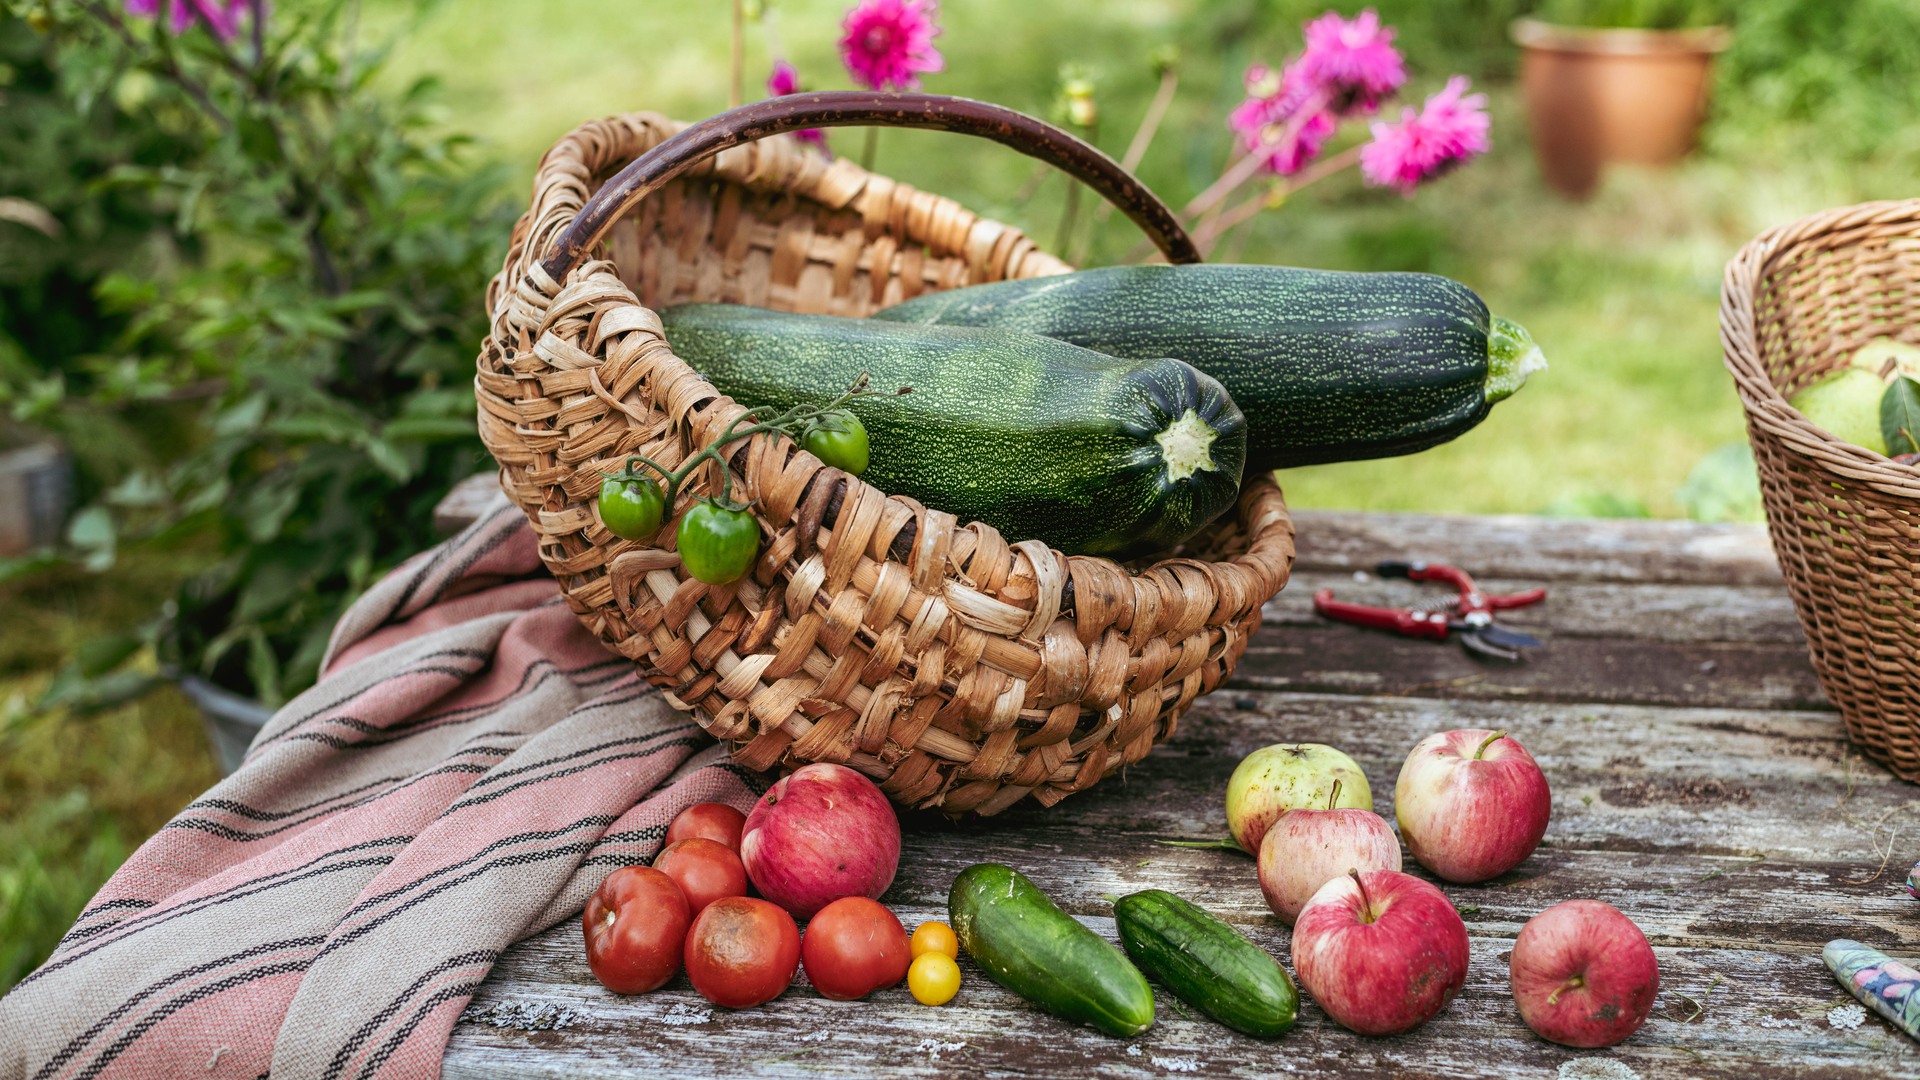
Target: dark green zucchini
(1036, 437)
(1328, 366)
(1028, 945)
(1206, 963)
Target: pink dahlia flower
(1450, 128)
(889, 43)
(1284, 118)
(222, 17)
(1353, 61)
(784, 81)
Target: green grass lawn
(78, 795)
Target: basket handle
(859, 108)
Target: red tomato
(853, 947)
(742, 951)
(704, 870)
(635, 925)
(714, 820)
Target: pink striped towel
(470, 765)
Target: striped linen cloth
(471, 763)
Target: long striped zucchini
(1327, 365)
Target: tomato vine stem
(789, 423)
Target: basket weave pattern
(1797, 302)
(958, 669)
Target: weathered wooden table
(1701, 785)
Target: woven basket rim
(1765, 406)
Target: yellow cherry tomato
(936, 937)
(934, 978)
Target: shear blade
(1508, 639)
(1479, 645)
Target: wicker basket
(958, 669)
(1797, 302)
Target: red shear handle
(1514, 600)
(1472, 599)
(1399, 620)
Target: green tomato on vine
(717, 543)
(631, 507)
(838, 439)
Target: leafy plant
(65, 226)
(1844, 73)
(1723, 486)
(322, 345)
(1633, 14)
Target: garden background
(195, 344)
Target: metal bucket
(232, 721)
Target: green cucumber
(1328, 366)
(1206, 963)
(1036, 437)
(1028, 945)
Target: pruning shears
(1468, 615)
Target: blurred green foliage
(1724, 486)
(300, 363)
(65, 137)
(1833, 81)
(1595, 504)
(1632, 14)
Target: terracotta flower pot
(1598, 96)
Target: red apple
(822, 833)
(1305, 849)
(1472, 804)
(1381, 951)
(1583, 974)
(1287, 776)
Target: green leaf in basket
(1900, 416)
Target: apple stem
(1481, 750)
(1333, 797)
(1574, 983)
(1366, 913)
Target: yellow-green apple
(1472, 804)
(1583, 974)
(1309, 847)
(1287, 776)
(1847, 406)
(1381, 951)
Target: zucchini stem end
(1511, 357)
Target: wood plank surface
(1701, 785)
(1518, 546)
